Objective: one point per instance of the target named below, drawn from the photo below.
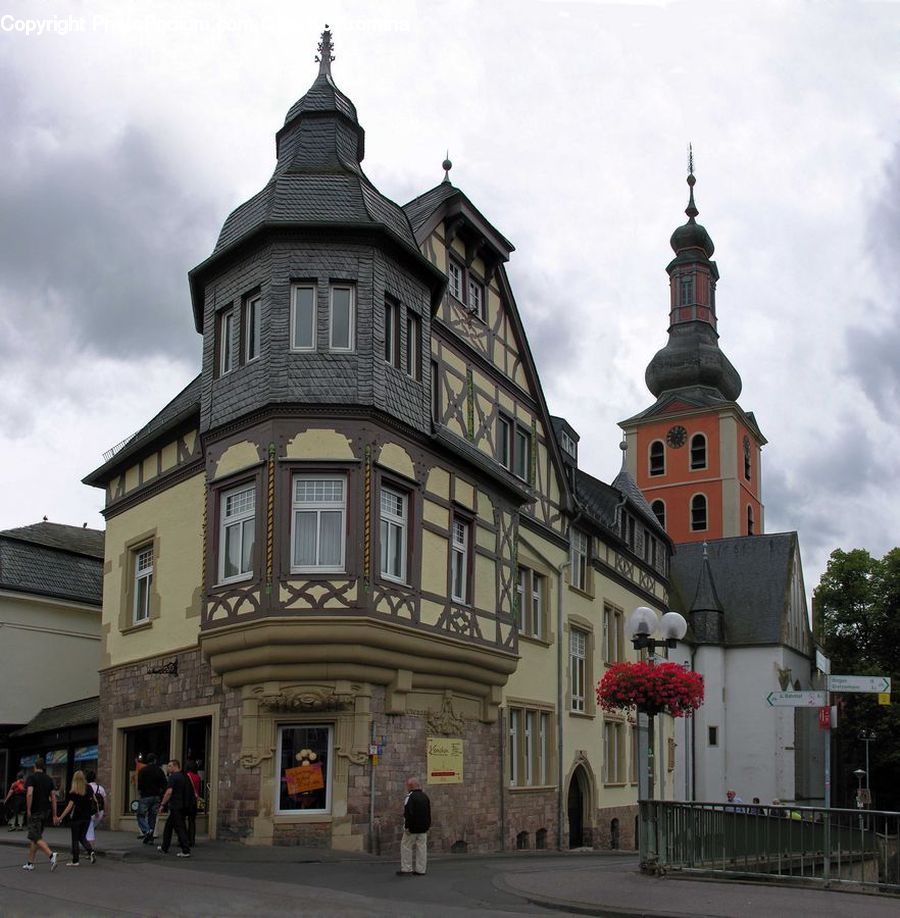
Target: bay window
(318, 523)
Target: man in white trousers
(416, 823)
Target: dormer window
(466, 288)
(568, 445)
(475, 301)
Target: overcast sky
(126, 141)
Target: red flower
(666, 688)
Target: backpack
(99, 800)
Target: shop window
(195, 745)
(304, 769)
(139, 743)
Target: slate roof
(182, 407)
(752, 576)
(49, 559)
(63, 716)
(421, 208)
(600, 500)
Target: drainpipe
(560, 691)
(502, 737)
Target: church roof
(752, 584)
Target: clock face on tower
(676, 437)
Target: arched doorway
(577, 803)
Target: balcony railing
(792, 843)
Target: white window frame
(238, 520)
(521, 457)
(613, 635)
(350, 346)
(505, 441)
(579, 552)
(295, 291)
(319, 507)
(698, 437)
(460, 540)
(329, 776)
(578, 642)
(522, 596)
(544, 722)
(613, 752)
(454, 280)
(143, 576)
(537, 605)
(475, 297)
(226, 341)
(529, 740)
(390, 522)
(661, 454)
(515, 717)
(568, 445)
(253, 328)
(392, 333)
(413, 346)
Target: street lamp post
(642, 624)
(868, 736)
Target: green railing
(789, 842)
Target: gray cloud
(873, 347)
(95, 244)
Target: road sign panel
(797, 699)
(873, 684)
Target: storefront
(65, 736)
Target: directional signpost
(871, 684)
(796, 699)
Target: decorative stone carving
(305, 698)
(354, 756)
(252, 758)
(447, 722)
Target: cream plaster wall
(175, 518)
(237, 457)
(49, 654)
(396, 458)
(319, 443)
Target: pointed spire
(325, 57)
(446, 165)
(691, 209)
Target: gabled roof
(628, 486)
(752, 577)
(182, 408)
(48, 559)
(79, 713)
(600, 501)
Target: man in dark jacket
(178, 797)
(416, 823)
(151, 786)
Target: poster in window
(444, 760)
(304, 779)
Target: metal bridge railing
(789, 842)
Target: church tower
(695, 453)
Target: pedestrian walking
(81, 803)
(416, 823)
(151, 786)
(16, 794)
(177, 798)
(100, 797)
(190, 770)
(40, 806)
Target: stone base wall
(531, 819)
(605, 831)
(464, 816)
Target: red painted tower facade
(695, 453)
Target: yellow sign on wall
(884, 697)
(444, 761)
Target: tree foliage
(857, 611)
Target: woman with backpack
(100, 797)
(81, 803)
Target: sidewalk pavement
(585, 882)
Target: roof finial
(623, 445)
(691, 209)
(446, 165)
(325, 57)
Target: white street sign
(874, 684)
(796, 699)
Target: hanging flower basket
(665, 688)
